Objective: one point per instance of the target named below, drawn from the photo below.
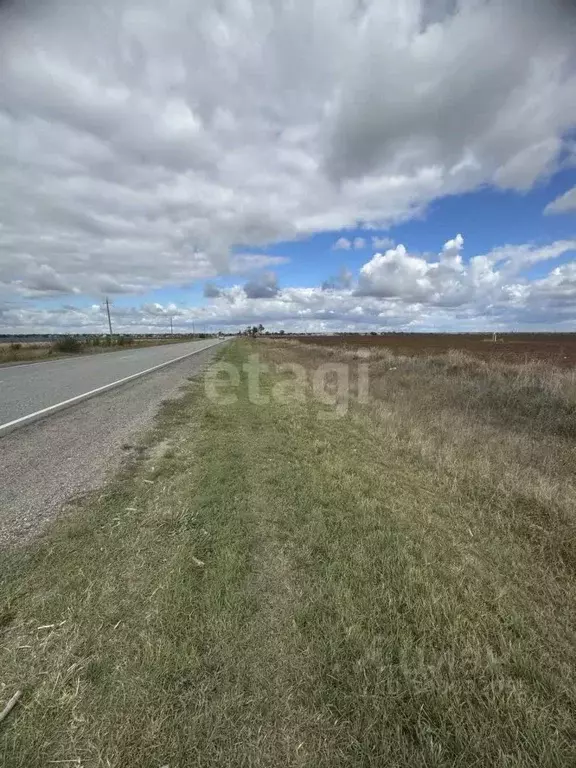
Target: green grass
(264, 588)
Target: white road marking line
(31, 417)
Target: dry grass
(24, 352)
(266, 588)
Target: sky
(311, 165)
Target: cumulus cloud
(342, 244)
(43, 280)
(557, 290)
(382, 243)
(448, 281)
(242, 263)
(431, 97)
(263, 287)
(147, 145)
(563, 204)
(398, 289)
(211, 291)
(141, 143)
(343, 279)
(159, 310)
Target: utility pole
(171, 326)
(109, 320)
(193, 332)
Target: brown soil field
(555, 348)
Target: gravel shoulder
(75, 451)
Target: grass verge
(71, 346)
(266, 588)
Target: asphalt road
(45, 464)
(26, 389)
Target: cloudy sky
(309, 164)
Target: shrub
(15, 346)
(68, 344)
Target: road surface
(27, 389)
(46, 463)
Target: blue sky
(489, 218)
(315, 166)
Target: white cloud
(212, 291)
(448, 281)
(421, 96)
(242, 263)
(342, 244)
(558, 289)
(265, 286)
(43, 280)
(395, 290)
(141, 142)
(451, 253)
(344, 279)
(564, 203)
(382, 243)
(23, 276)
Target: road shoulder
(45, 464)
